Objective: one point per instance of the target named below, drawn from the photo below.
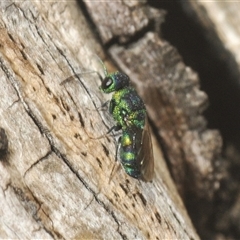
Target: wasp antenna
(89, 71)
(78, 75)
(103, 65)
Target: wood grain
(55, 183)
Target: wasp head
(114, 82)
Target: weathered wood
(219, 21)
(55, 183)
(122, 20)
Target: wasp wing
(145, 154)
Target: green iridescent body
(128, 109)
(129, 112)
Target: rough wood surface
(55, 181)
(222, 19)
(219, 22)
(122, 20)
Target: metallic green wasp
(129, 112)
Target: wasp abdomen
(129, 152)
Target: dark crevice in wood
(3, 145)
(91, 24)
(130, 40)
(11, 37)
(27, 198)
(142, 199)
(81, 119)
(23, 55)
(52, 232)
(105, 150)
(40, 68)
(217, 69)
(219, 75)
(38, 161)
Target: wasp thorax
(114, 82)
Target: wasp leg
(114, 128)
(117, 148)
(103, 107)
(116, 165)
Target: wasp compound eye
(107, 82)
